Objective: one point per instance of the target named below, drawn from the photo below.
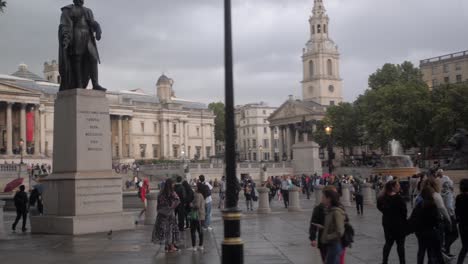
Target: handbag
(193, 215)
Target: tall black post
(330, 154)
(232, 247)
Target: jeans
(333, 253)
(20, 213)
(464, 249)
(389, 241)
(360, 203)
(180, 212)
(285, 194)
(430, 242)
(195, 227)
(207, 215)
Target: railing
(445, 57)
(9, 167)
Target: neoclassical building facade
(143, 126)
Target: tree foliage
(2, 5)
(219, 111)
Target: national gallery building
(143, 126)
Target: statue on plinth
(78, 53)
(459, 144)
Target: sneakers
(209, 228)
(192, 249)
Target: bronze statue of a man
(78, 54)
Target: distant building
(255, 140)
(143, 126)
(446, 69)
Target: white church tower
(321, 60)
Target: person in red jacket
(143, 190)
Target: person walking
(317, 222)
(188, 200)
(358, 196)
(426, 221)
(249, 193)
(461, 212)
(196, 216)
(143, 190)
(285, 186)
(334, 226)
(394, 219)
(21, 204)
(222, 192)
(180, 210)
(165, 228)
(450, 228)
(332, 180)
(205, 189)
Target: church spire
(319, 21)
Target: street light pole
(328, 131)
(232, 249)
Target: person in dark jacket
(190, 195)
(461, 212)
(180, 210)
(394, 214)
(21, 204)
(426, 222)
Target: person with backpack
(205, 189)
(35, 202)
(190, 195)
(334, 227)
(249, 193)
(21, 204)
(180, 210)
(394, 220)
(196, 216)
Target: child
(196, 216)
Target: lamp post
(21, 143)
(328, 131)
(232, 250)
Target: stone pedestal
(294, 205)
(306, 158)
(82, 196)
(346, 194)
(151, 212)
(263, 201)
(368, 194)
(318, 194)
(2, 229)
(263, 175)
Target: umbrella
(13, 184)
(39, 187)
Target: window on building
(458, 66)
(264, 112)
(175, 151)
(325, 28)
(329, 67)
(276, 130)
(198, 131)
(142, 125)
(189, 151)
(155, 127)
(174, 128)
(265, 130)
(435, 83)
(198, 152)
(313, 29)
(248, 143)
(266, 143)
(244, 131)
(266, 156)
(275, 143)
(265, 121)
(331, 88)
(459, 78)
(435, 69)
(142, 150)
(155, 151)
(208, 151)
(446, 79)
(332, 102)
(245, 144)
(311, 69)
(319, 29)
(446, 68)
(253, 131)
(254, 143)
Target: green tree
(218, 109)
(2, 5)
(394, 74)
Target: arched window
(331, 88)
(329, 67)
(319, 28)
(313, 29)
(311, 69)
(325, 28)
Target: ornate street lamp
(328, 131)
(21, 143)
(232, 250)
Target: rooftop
(456, 55)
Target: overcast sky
(184, 39)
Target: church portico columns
(288, 143)
(23, 126)
(37, 130)
(9, 125)
(119, 137)
(281, 142)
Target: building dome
(164, 80)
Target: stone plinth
(306, 158)
(294, 205)
(318, 193)
(151, 212)
(368, 194)
(263, 175)
(345, 194)
(82, 195)
(263, 201)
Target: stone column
(120, 136)
(345, 195)
(37, 130)
(169, 145)
(186, 139)
(130, 137)
(162, 134)
(318, 193)
(368, 194)
(9, 125)
(23, 127)
(203, 150)
(294, 204)
(213, 140)
(272, 143)
(151, 212)
(263, 201)
(280, 143)
(43, 131)
(288, 143)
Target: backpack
(180, 190)
(348, 236)
(248, 189)
(205, 190)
